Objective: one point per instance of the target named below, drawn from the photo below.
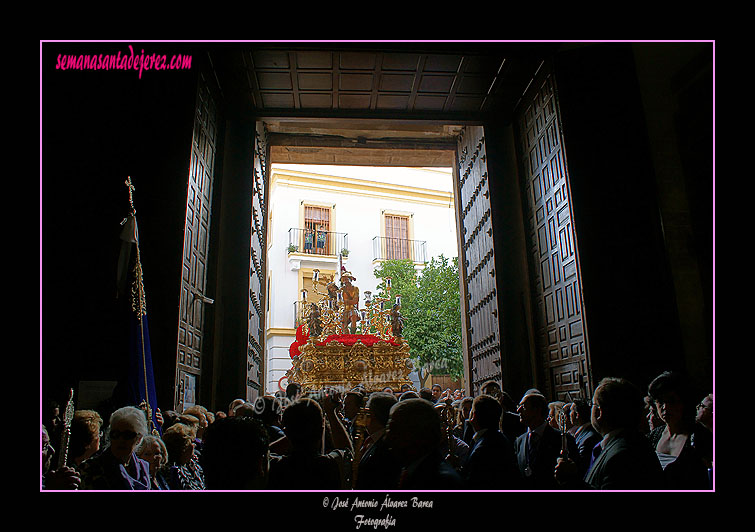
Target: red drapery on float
(345, 339)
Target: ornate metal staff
(66, 436)
(564, 441)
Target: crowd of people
(428, 439)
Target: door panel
(556, 286)
(258, 268)
(476, 264)
(191, 323)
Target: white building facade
(321, 217)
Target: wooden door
(191, 322)
(554, 265)
(258, 267)
(481, 336)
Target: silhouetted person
(413, 435)
(491, 463)
(540, 446)
(267, 409)
(233, 405)
(624, 459)
(378, 469)
(584, 433)
(427, 395)
(306, 466)
(704, 413)
(235, 454)
(63, 478)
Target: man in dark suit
(624, 458)
(413, 436)
(491, 464)
(539, 447)
(378, 469)
(584, 433)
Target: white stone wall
(358, 212)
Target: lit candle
(388, 282)
(367, 296)
(398, 300)
(316, 275)
(303, 294)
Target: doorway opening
(356, 218)
(424, 147)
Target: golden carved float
(339, 345)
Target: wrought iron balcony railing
(386, 248)
(315, 242)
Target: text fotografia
(357, 504)
(126, 61)
(374, 522)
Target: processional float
(340, 345)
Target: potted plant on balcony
(293, 248)
(345, 252)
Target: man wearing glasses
(704, 414)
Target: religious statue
(313, 321)
(397, 321)
(332, 293)
(350, 295)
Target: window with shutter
(397, 237)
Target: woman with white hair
(152, 450)
(118, 467)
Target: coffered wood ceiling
(390, 102)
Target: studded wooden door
(191, 321)
(258, 267)
(554, 266)
(476, 265)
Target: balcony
(310, 242)
(386, 248)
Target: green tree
(431, 307)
